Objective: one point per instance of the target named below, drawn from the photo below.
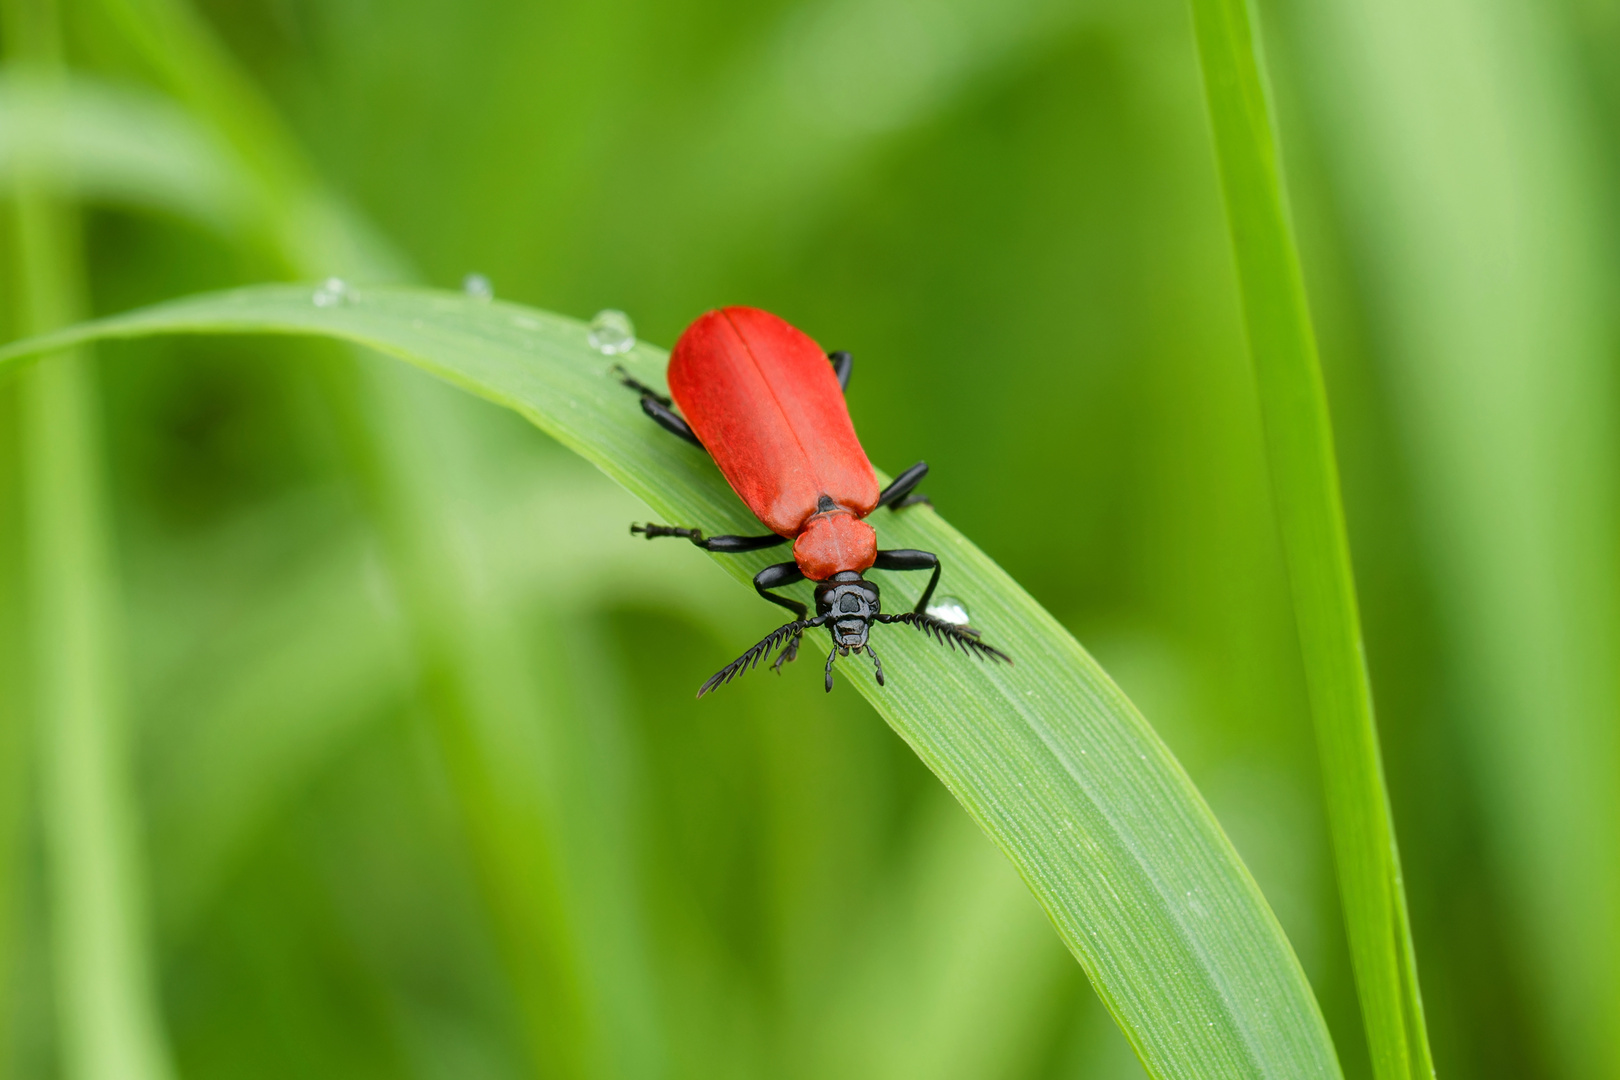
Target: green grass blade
(1490, 272)
(1047, 756)
(122, 146)
(1305, 482)
(16, 743)
(105, 988)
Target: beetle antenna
(759, 652)
(947, 633)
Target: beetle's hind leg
(898, 495)
(843, 364)
(624, 377)
(659, 407)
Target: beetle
(768, 405)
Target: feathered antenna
(947, 633)
(759, 652)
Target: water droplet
(612, 333)
(334, 291)
(949, 609)
(478, 287)
(523, 322)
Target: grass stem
(1305, 485)
(107, 1008)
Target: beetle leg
(898, 495)
(777, 576)
(789, 654)
(911, 559)
(659, 407)
(665, 418)
(843, 364)
(723, 545)
(617, 370)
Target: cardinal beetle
(768, 406)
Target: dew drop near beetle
(767, 404)
(478, 287)
(333, 292)
(612, 333)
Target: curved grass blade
(1049, 757)
(1305, 483)
(124, 146)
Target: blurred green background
(1007, 209)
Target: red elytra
(767, 406)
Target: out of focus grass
(1010, 213)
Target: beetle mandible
(768, 405)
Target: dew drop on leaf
(333, 292)
(478, 287)
(949, 609)
(612, 333)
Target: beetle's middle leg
(723, 545)
(911, 559)
(898, 496)
(659, 407)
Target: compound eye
(849, 603)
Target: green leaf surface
(1048, 756)
(1305, 483)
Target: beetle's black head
(847, 605)
(850, 603)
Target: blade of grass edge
(1048, 757)
(1305, 485)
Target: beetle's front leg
(911, 559)
(777, 576)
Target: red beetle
(768, 405)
